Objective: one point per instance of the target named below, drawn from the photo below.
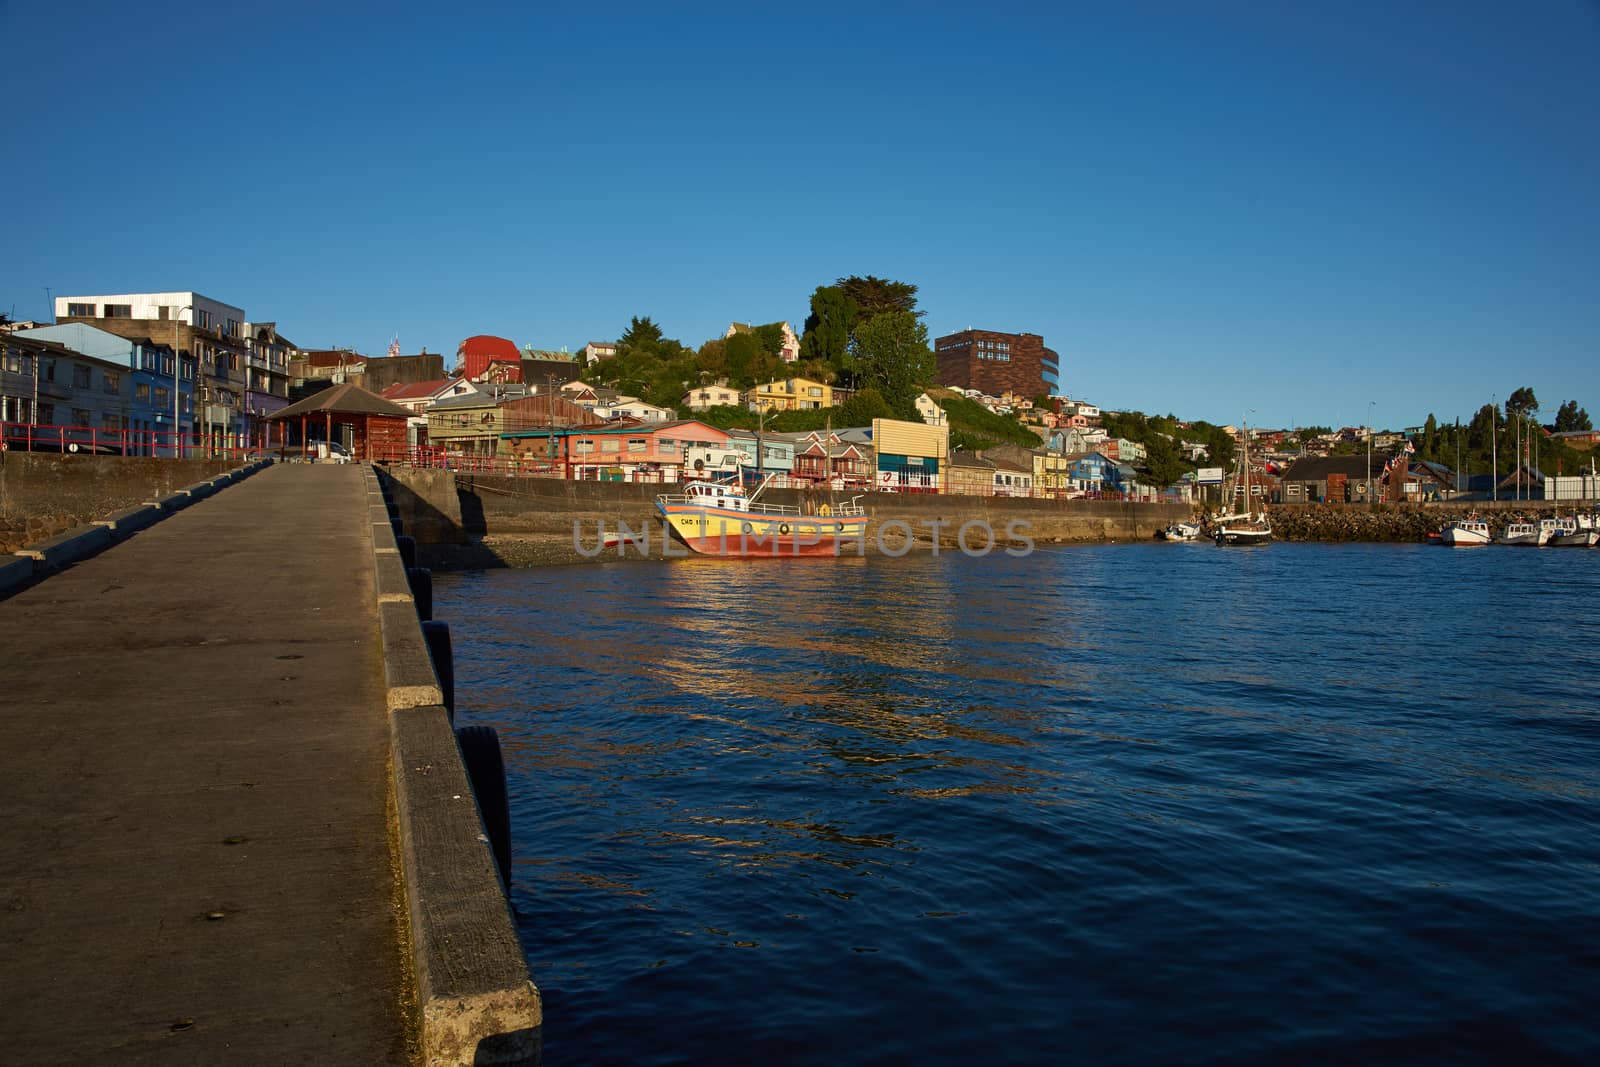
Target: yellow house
(1051, 472)
(790, 394)
(470, 424)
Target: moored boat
(1243, 530)
(1576, 539)
(719, 519)
(1584, 532)
(1550, 529)
(1181, 531)
(1246, 527)
(1519, 533)
(1464, 533)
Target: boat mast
(1244, 469)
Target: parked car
(332, 451)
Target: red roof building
(476, 353)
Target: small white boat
(1181, 531)
(1463, 533)
(1576, 539)
(1519, 533)
(1550, 529)
(1584, 533)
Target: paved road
(194, 862)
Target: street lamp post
(1494, 448)
(177, 382)
(1370, 403)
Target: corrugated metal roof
(344, 399)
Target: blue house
(1093, 472)
(145, 398)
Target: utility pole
(1369, 450)
(177, 379)
(1494, 448)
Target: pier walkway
(195, 864)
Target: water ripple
(1113, 804)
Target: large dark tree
(641, 333)
(874, 295)
(1521, 401)
(1570, 417)
(742, 355)
(1163, 462)
(861, 409)
(891, 350)
(828, 328)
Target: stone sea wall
(474, 521)
(43, 494)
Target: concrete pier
(195, 825)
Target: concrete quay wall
(479, 521)
(42, 495)
(477, 1002)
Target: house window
(47, 369)
(608, 444)
(81, 310)
(141, 392)
(19, 362)
(113, 383)
(110, 422)
(667, 446)
(80, 377)
(80, 416)
(815, 390)
(163, 398)
(119, 311)
(583, 446)
(638, 444)
(47, 414)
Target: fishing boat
(1584, 533)
(1550, 529)
(1245, 527)
(1181, 531)
(716, 518)
(1519, 533)
(1465, 533)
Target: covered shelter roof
(344, 399)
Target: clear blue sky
(1205, 208)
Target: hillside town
(157, 374)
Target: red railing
(90, 441)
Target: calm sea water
(1119, 804)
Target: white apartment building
(199, 311)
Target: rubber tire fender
(486, 769)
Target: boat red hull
(775, 547)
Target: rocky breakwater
(1391, 522)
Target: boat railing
(854, 509)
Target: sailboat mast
(1244, 468)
